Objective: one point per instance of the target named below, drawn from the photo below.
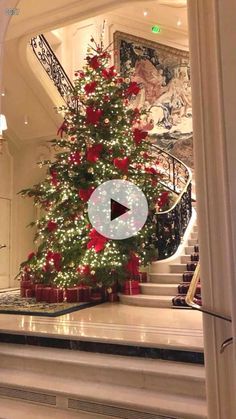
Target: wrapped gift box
(25, 284)
(46, 292)
(39, 292)
(113, 297)
(143, 277)
(71, 294)
(131, 287)
(56, 295)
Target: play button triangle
(117, 209)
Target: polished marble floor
(116, 323)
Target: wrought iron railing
(171, 224)
(54, 69)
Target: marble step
(115, 386)
(189, 250)
(99, 400)
(177, 267)
(160, 301)
(148, 374)
(194, 235)
(165, 278)
(195, 228)
(185, 258)
(192, 242)
(17, 409)
(159, 289)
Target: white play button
(117, 209)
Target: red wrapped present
(56, 295)
(84, 292)
(131, 287)
(143, 277)
(39, 292)
(113, 297)
(24, 285)
(46, 291)
(29, 292)
(71, 294)
(97, 294)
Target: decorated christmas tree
(103, 137)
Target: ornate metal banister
(172, 224)
(53, 68)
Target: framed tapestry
(164, 75)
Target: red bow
(75, 158)
(94, 62)
(108, 73)
(31, 255)
(84, 270)
(151, 170)
(90, 87)
(54, 178)
(93, 115)
(85, 194)
(139, 135)
(97, 241)
(55, 258)
(133, 265)
(93, 153)
(163, 199)
(62, 129)
(121, 164)
(52, 226)
(132, 89)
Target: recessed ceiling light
(145, 13)
(3, 92)
(179, 22)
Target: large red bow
(97, 241)
(93, 115)
(133, 265)
(121, 164)
(85, 194)
(139, 135)
(54, 257)
(93, 153)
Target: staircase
(62, 383)
(165, 277)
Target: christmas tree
(102, 138)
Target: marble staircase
(165, 276)
(65, 383)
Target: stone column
(213, 67)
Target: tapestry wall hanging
(164, 75)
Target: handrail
(191, 294)
(172, 223)
(54, 69)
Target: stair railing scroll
(171, 224)
(54, 69)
